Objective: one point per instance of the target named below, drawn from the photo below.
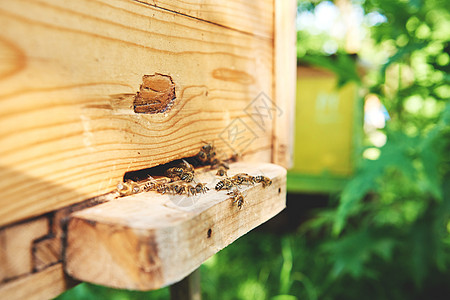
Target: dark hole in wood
(209, 233)
(158, 171)
(279, 190)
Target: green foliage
(343, 65)
(88, 291)
(394, 215)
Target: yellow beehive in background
(326, 130)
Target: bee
(217, 163)
(180, 189)
(265, 180)
(201, 188)
(128, 187)
(235, 157)
(222, 171)
(184, 171)
(202, 157)
(174, 172)
(243, 178)
(224, 184)
(149, 186)
(206, 154)
(192, 191)
(154, 184)
(237, 198)
(163, 188)
(187, 166)
(187, 176)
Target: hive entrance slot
(158, 171)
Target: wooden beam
(149, 240)
(68, 129)
(285, 74)
(16, 257)
(38, 286)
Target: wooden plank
(149, 240)
(285, 72)
(46, 253)
(16, 242)
(43, 285)
(254, 17)
(68, 131)
(27, 249)
(188, 288)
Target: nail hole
(279, 190)
(209, 233)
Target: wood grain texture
(253, 17)
(38, 286)
(67, 128)
(16, 242)
(46, 252)
(285, 73)
(31, 248)
(148, 240)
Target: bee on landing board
(222, 171)
(183, 171)
(187, 176)
(127, 188)
(155, 184)
(224, 184)
(206, 154)
(163, 188)
(237, 198)
(243, 178)
(264, 180)
(201, 188)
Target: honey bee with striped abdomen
(184, 171)
(264, 180)
(201, 188)
(224, 184)
(221, 171)
(243, 178)
(237, 198)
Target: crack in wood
(203, 20)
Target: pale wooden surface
(36, 244)
(148, 240)
(253, 17)
(38, 286)
(16, 257)
(68, 72)
(285, 71)
(68, 75)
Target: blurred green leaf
(284, 297)
(342, 64)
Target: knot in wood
(156, 94)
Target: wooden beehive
(90, 90)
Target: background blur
(368, 212)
